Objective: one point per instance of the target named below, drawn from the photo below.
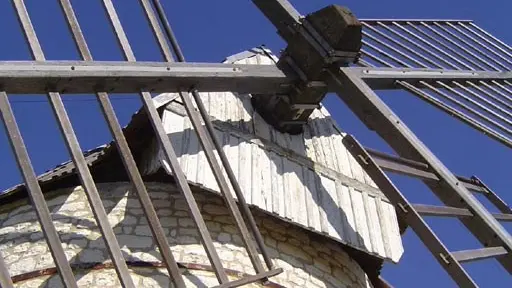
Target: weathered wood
(256, 181)
(360, 219)
(446, 211)
(377, 236)
(265, 178)
(245, 164)
(312, 200)
(306, 179)
(385, 227)
(478, 254)
(275, 161)
(192, 153)
(28, 77)
(432, 210)
(288, 184)
(330, 203)
(294, 189)
(348, 211)
(395, 236)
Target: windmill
(453, 65)
(450, 59)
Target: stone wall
(306, 262)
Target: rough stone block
(215, 209)
(91, 256)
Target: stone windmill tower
(243, 179)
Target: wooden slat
(220, 106)
(245, 173)
(187, 131)
(192, 152)
(374, 224)
(478, 254)
(232, 152)
(300, 190)
(224, 141)
(256, 176)
(312, 200)
(395, 237)
(174, 127)
(316, 143)
(276, 165)
(474, 188)
(342, 157)
(327, 129)
(382, 155)
(371, 232)
(396, 166)
(266, 185)
(202, 166)
(209, 178)
(502, 217)
(288, 182)
(348, 211)
(357, 170)
(344, 226)
(446, 211)
(385, 227)
(246, 114)
(330, 205)
(493, 197)
(251, 279)
(432, 210)
(360, 219)
(324, 136)
(296, 189)
(308, 142)
(205, 97)
(297, 144)
(280, 186)
(220, 135)
(261, 128)
(399, 168)
(232, 111)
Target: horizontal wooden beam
(432, 210)
(390, 165)
(395, 164)
(404, 169)
(502, 217)
(440, 211)
(36, 77)
(478, 254)
(251, 279)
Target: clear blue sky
(211, 30)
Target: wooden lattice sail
(269, 144)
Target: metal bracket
(444, 258)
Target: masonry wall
(306, 262)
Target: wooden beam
(478, 254)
